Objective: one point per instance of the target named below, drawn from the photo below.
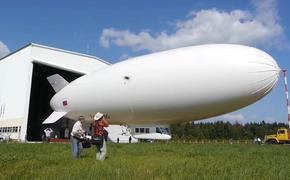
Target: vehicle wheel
(272, 141)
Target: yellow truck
(282, 137)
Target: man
(99, 134)
(66, 133)
(48, 131)
(77, 135)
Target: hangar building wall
(33, 63)
(14, 78)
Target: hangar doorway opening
(40, 95)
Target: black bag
(106, 134)
(79, 136)
(97, 140)
(86, 144)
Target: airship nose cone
(265, 74)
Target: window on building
(15, 129)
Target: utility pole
(287, 94)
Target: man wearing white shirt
(48, 131)
(77, 135)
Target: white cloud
(3, 50)
(270, 120)
(233, 117)
(124, 57)
(240, 118)
(259, 27)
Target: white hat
(98, 116)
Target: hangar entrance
(40, 95)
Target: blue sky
(117, 30)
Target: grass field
(146, 161)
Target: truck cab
(281, 137)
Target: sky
(117, 30)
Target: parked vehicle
(281, 137)
(4, 137)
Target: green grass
(146, 161)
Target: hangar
(24, 91)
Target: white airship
(174, 86)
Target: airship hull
(173, 86)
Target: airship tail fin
(55, 116)
(57, 82)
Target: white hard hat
(98, 116)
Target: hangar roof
(59, 58)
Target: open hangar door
(41, 93)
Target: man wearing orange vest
(99, 134)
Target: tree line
(224, 130)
